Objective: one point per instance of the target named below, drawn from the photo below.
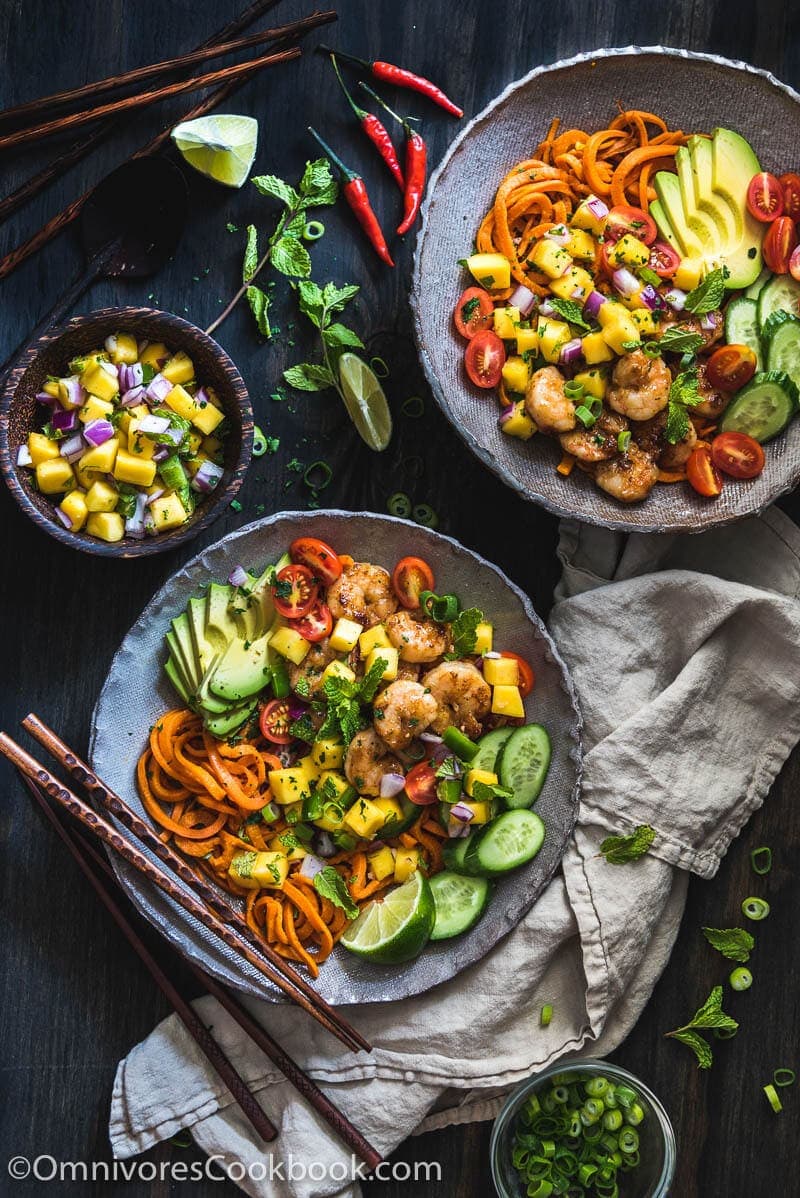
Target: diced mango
(136, 413)
(594, 381)
(207, 417)
(381, 864)
(122, 348)
(391, 808)
(617, 325)
(484, 634)
(101, 497)
(689, 273)
(54, 476)
(101, 380)
(550, 259)
(168, 512)
(492, 271)
(629, 251)
(391, 659)
(338, 669)
(179, 368)
(505, 322)
(645, 320)
(506, 700)
(595, 349)
(101, 458)
(519, 423)
(51, 388)
(373, 638)
(364, 819)
(194, 442)
(553, 336)
(42, 449)
(581, 245)
(97, 409)
(140, 444)
(154, 352)
(290, 644)
(481, 812)
(74, 506)
(130, 468)
(212, 445)
(527, 341)
(64, 395)
(328, 753)
(406, 863)
(515, 374)
(584, 218)
(473, 776)
(182, 402)
(106, 526)
(575, 285)
(290, 785)
(345, 635)
(502, 671)
(254, 870)
(287, 844)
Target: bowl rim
(209, 512)
(584, 1065)
(481, 451)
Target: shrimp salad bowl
(361, 733)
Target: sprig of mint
(285, 250)
(331, 885)
(708, 295)
(710, 1015)
(734, 943)
(621, 850)
(570, 311)
(679, 340)
(320, 304)
(343, 701)
(683, 394)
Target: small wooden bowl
(20, 414)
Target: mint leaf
(339, 334)
(311, 301)
(698, 1045)
(309, 377)
(318, 186)
(291, 257)
(335, 297)
(679, 340)
(464, 631)
(708, 295)
(279, 189)
(250, 254)
(711, 1014)
(620, 850)
(682, 394)
(332, 886)
(259, 306)
(486, 792)
(734, 943)
(571, 312)
(372, 680)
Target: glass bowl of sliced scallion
(585, 1130)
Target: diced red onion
(437, 753)
(237, 576)
(76, 396)
(458, 831)
(559, 234)
(65, 421)
(24, 456)
(571, 352)
(158, 388)
(324, 844)
(523, 298)
(391, 785)
(73, 448)
(201, 396)
(130, 376)
(174, 433)
(598, 208)
(150, 524)
(133, 396)
(708, 322)
(546, 308)
(506, 414)
(431, 738)
(311, 866)
(161, 454)
(651, 297)
(297, 709)
(135, 524)
(43, 397)
(594, 302)
(97, 432)
(625, 282)
(154, 495)
(207, 477)
(462, 813)
(153, 424)
(64, 518)
(676, 298)
(492, 655)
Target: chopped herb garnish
(620, 850)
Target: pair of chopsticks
(39, 780)
(283, 38)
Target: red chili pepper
(416, 165)
(403, 78)
(355, 192)
(375, 130)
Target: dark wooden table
(74, 999)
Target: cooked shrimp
(650, 436)
(546, 404)
(629, 477)
(597, 443)
(710, 326)
(640, 386)
(407, 671)
(367, 759)
(462, 695)
(311, 667)
(402, 711)
(363, 593)
(416, 638)
(713, 402)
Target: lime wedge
(365, 401)
(396, 928)
(222, 147)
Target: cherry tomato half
(702, 473)
(730, 367)
(421, 784)
(794, 264)
(780, 243)
(318, 556)
(526, 675)
(410, 577)
(790, 182)
(624, 218)
(295, 591)
(664, 260)
(765, 197)
(485, 358)
(316, 625)
(473, 312)
(275, 721)
(738, 455)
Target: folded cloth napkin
(685, 652)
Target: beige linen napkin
(685, 652)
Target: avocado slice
(733, 164)
(255, 610)
(242, 670)
(233, 718)
(670, 196)
(203, 650)
(221, 626)
(182, 634)
(712, 203)
(176, 657)
(206, 701)
(701, 224)
(176, 678)
(664, 227)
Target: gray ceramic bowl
(136, 693)
(692, 92)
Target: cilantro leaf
(339, 334)
(698, 1045)
(307, 376)
(734, 943)
(620, 850)
(291, 257)
(332, 886)
(679, 340)
(464, 630)
(708, 295)
(278, 189)
(250, 254)
(259, 306)
(571, 311)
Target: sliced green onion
(761, 860)
(270, 813)
(596, 1087)
(773, 1099)
(784, 1077)
(651, 349)
(414, 465)
(379, 368)
(586, 416)
(623, 441)
(399, 505)
(545, 1016)
(634, 1114)
(324, 470)
(441, 608)
(574, 390)
(612, 1120)
(259, 443)
(413, 407)
(425, 515)
(755, 908)
(628, 1140)
(314, 230)
(741, 979)
(561, 1095)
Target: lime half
(222, 147)
(365, 401)
(394, 929)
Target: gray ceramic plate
(692, 92)
(136, 693)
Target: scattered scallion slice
(574, 391)
(546, 1015)
(259, 443)
(399, 505)
(413, 407)
(425, 515)
(784, 1077)
(314, 230)
(586, 417)
(773, 1099)
(651, 349)
(741, 979)
(755, 908)
(317, 476)
(379, 367)
(623, 440)
(761, 860)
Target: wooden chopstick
(63, 219)
(211, 1050)
(91, 91)
(82, 773)
(63, 124)
(186, 899)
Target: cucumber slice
(782, 344)
(459, 902)
(754, 290)
(524, 763)
(455, 851)
(780, 294)
(741, 326)
(763, 408)
(489, 747)
(511, 840)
